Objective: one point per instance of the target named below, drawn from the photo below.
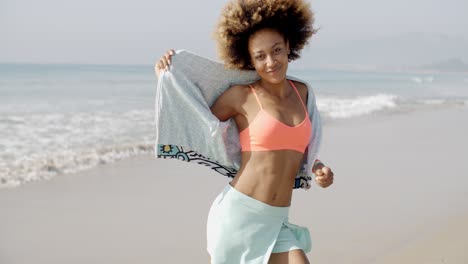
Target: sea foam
(339, 108)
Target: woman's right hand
(163, 63)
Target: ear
(287, 47)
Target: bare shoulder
(235, 95)
(229, 103)
(238, 92)
(302, 88)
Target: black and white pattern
(180, 153)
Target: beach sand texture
(400, 196)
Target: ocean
(59, 119)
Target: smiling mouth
(274, 70)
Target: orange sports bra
(267, 133)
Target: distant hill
(408, 50)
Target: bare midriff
(268, 176)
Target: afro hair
(240, 18)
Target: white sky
(139, 31)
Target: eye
(277, 50)
(259, 57)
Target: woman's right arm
(228, 103)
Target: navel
(274, 197)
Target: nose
(270, 61)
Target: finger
(159, 67)
(326, 177)
(323, 185)
(319, 172)
(317, 166)
(169, 55)
(323, 181)
(159, 64)
(163, 63)
(320, 178)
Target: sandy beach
(400, 196)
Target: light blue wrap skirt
(243, 230)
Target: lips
(275, 70)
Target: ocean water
(58, 119)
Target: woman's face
(269, 55)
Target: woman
(248, 221)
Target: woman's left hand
(323, 175)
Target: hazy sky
(139, 31)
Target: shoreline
(48, 162)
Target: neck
(280, 90)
